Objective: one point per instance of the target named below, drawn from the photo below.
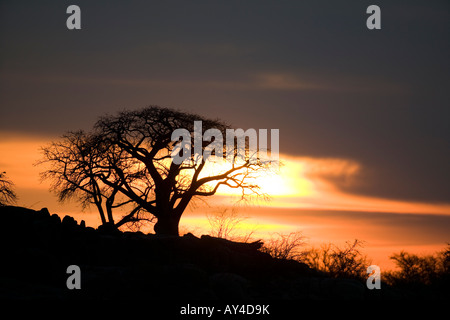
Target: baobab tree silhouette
(126, 161)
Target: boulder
(229, 286)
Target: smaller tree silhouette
(416, 270)
(346, 262)
(7, 194)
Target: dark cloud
(310, 68)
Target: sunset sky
(363, 114)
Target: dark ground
(37, 248)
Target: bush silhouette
(419, 271)
(286, 246)
(345, 262)
(7, 193)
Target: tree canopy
(126, 161)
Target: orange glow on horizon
(301, 182)
(19, 154)
(302, 185)
(304, 182)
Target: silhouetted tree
(7, 194)
(77, 161)
(347, 261)
(127, 161)
(420, 269)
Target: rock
(45, 212)
(109, 229)
(238, 246)
(68, 221)
(229, 286)
(55, 218)
(342, 289)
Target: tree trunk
(167, 224)
(109, 213)
(100, 211)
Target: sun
(288, 180)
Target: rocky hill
(38, 247)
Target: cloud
(191, 48)
(282, 81)
(327, 184)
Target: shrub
(346, 262)
(416, 271)
(285, 246)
